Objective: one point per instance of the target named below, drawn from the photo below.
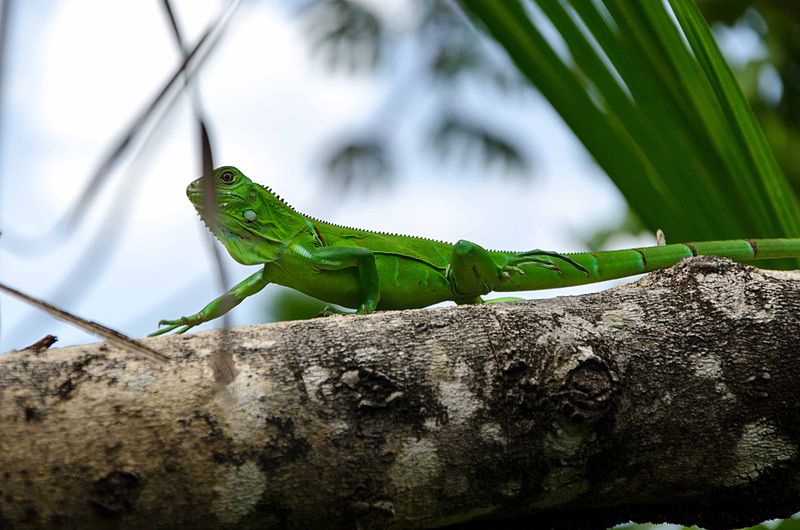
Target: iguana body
(373, 270)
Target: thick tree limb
(672, 398)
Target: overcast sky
(78, 71)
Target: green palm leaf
(646, 90)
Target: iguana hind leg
(474, 272)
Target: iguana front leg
(338, 258)
(219, 306)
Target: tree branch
(674, 398)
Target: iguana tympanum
(372, 270)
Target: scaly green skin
(373, 271)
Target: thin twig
(92, 327)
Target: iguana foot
(533, 257)
(183, 323)
(330, 310)
(364, 310)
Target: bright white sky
(78, 71)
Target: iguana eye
(227, 177)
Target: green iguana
(373, 270)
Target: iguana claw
(172, 325)
(329, 311)
(508, 270)
(531, 256)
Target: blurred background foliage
(358, 37)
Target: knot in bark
(588, 390)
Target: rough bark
(674, 398)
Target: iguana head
(251, 221)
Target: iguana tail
(608, 265)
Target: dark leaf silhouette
(364, 162)
(459, 53)
(459, 137)
(344, 33)
(352, 37)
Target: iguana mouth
(195, 193)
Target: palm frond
(644, 87)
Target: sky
(78, 72)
